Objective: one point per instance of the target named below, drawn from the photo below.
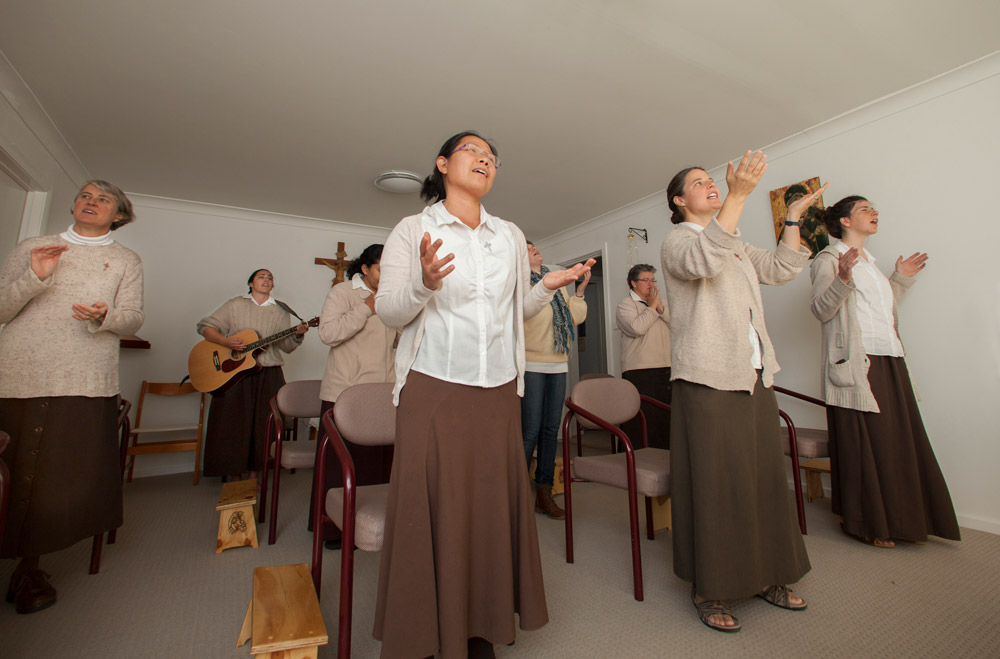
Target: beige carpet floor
(163, 592)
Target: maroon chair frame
(4, 483)
(333, 440)
(124, 430)
(793, 450)
(633, 511)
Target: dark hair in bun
(843, 208)
(369, 257)
(676, 189)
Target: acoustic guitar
(213, 367)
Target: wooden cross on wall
(338, 265)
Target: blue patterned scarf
(562, 328)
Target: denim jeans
(541, 409)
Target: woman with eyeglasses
(644, 321)
(734, 526)
(461, 550)
(886, 481)
(66, 300)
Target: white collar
(441, 216)
(696, 227)
(358, 282)
(71, 236)
(636, 297)
(842, 248)
(267, 303)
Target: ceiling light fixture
(399, 182)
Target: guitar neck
(267, 340)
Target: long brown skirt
(461, 549)
(886, 480)
(237, 421)
(734, 524)
(63, 460)
(655, 383)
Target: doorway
(590, 352)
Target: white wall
(197, 256)
(925, 159)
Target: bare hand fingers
(758, 163)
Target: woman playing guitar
(234, 440)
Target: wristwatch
(793, 224)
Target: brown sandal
(708, 608)
(780, 596)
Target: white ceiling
(295, 106)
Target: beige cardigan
(361, 346)
(645, 335)
(44, 351)
(402, 296)
(539, 342)
(844, 364)
(713, 279)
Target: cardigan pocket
(841, 373)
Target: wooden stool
(237, 520)
(814, 483)
(558, 476)
(661, 513)
(283, 618)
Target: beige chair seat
(369, 514)
(811, 442)
(296, 455)
(652, 471)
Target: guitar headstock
(313, 322)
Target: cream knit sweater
(240, 313)
(713, 279)
(44, 351)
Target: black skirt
(237, 421)
(886, 481)
(65, 472)
(655, 383)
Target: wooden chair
(124, 430)
(168, 446)
(605, 403)
(364, 415)
(295, 400)
(805, 443)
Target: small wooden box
(661, 513)
(558, 477)
(814, 480)
(237, 519)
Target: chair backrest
(300, 399)
(166, 389)
(613, 399)
(365, 415)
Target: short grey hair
(124, 205)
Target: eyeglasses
(479, 153)
(647, 281)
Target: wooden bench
(814, 482)
(283, 620)
(237, 518)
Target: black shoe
(334, 544)
(30, 591)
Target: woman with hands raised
(886, 481)
(461, 549)
(66, 299)
(734, 533)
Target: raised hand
(912, 265)
(433, 269)
(797, 207)
(84, 312)
(742, 179)
(556, 279)
(582, 287)
(45, 258)
(846, 263)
